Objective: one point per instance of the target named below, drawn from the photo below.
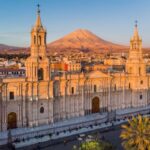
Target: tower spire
(136, 34)
(38, 9)
(38, 21)
(136, 22)
(136, 41)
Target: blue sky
(112, 20)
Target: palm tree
(136, 134)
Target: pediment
(98, 74)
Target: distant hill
(6, 49)
(78, 41)
(85, 41)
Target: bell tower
(38, 37)
(135, 64)
(37, 65)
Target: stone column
(123, 102)
(109, 97)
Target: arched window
(72, 90)
(141, 96)
(35, 71)
(40, 58)
(34, 39)
(129, 85)
(115, 87)
(40, 74)
(139, 70)
(42, 110)
(39, 40)
(95, 88)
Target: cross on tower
(136, 22)
(38, 9)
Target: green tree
(136, 134)
(94, 145)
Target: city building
(11, 72)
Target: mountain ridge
(8, 47)
(80, 40)
(83, 39)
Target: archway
(12, 120)
(95, 105)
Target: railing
(28, 133)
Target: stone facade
(41, 99)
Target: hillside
(7, 47)
(78, 41)
(83, 40)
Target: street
(110, 135)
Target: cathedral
(41, 98)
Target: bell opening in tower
(40, 74)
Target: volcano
(83, 40)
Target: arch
(95, 105)
(12, 120)
(42, 110)
(95, 88)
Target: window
(115, 87)
(45, 39)
(72, 90)
(34, 39)
(40, 74)
(35, 71)
(11, 95)
(39, 40)
(141, 96)
(141, 82)
(95, 88)
(129, 85)
(42, 110)
(139, 71)
(135, 46)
